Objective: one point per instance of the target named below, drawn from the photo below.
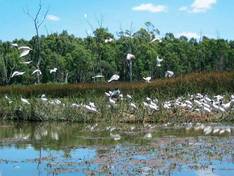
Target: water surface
(125, 149)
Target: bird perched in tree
(24, 50)
(115, 77)
(147, 79)
(17, 73)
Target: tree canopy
(79, 59)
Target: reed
(213, 82)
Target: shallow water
(75, 149)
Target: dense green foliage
(78, 59)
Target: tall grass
(213, 82)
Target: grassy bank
(82, 94)
(122, 112)
(214, 82)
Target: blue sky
(189, 17)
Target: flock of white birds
(198, 103)
(193, 103)
(25, 50)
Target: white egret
(109, 40)
(54, 70)
(24, 50)
(130, 56)
(147, 79)
(207, 130)
(129, 96)
(25, 101)
(107, 94)
(116, 137)
(14, 45)
(216, 131)
(43, 97)
(38, 71)
(115, 77)
(17, 73)
(112, 102)
(90, 108)
(92, 104)
(156, 39)
(159, 61)
(74, 105)
(148, 136)
(9, 100)
(169, 74)
(98, 76)
(115, 94)
(26, 62)
(133, 105)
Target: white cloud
(53, 18)
(199, 6)
(189, 35)
(150, 8)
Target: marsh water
(124, 149)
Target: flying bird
(17, 73)
(109, 40)
(159, 61)
(130, 56)
(169, 74)
(14, 45)
(115, 77)
(24, 50)
(98, 76)
(156, 39)
(37, 71)
(54, 70)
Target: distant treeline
(79, 59)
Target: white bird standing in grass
(37, 71)
(147, 79)
(24, 50)
(159, 61)
(115, 77)
(26, 62)
(17, 73)
(169, 74)
(25, 101)
(90, 108)
(54, 70)
(9, 100)
(43, 97)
